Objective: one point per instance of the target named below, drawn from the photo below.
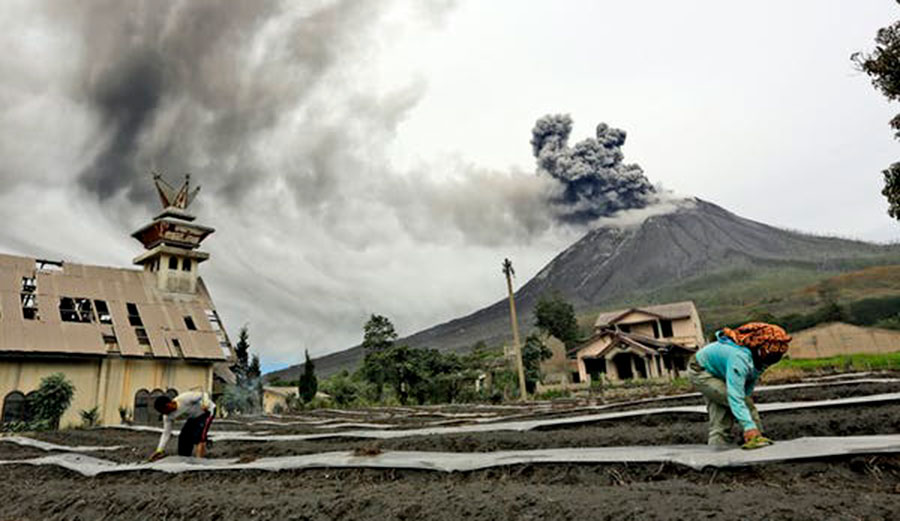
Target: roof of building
(665, 311)
(640, 342)
(284, 391)
(67, 302)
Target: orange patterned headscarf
(765, 338)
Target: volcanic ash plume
(595, 182)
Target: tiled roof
(668, 311)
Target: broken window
(189, 323)
(142, 337)
(29, 298)
(48, 265)
(177, 345)
(666, 326)
(173, 263)
(103, 315)
(110, 338)
(655, 329)
(625, 328)
(185, 264)
(134, 318)
(213, 318)
(75, 310)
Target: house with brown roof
(640, 342)
(121, 336)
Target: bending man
(727, 370)
(199, 410)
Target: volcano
(665, 257)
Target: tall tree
(254, 381)
(533, 354)
(378, 338)
(308, 384)
(378, 334)
(242, 356)
(883, 67)
(556, 316)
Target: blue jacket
(732, 364)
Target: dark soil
(847, 488)
(840, 488)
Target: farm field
(855, 486)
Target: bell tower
(172, 239)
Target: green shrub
(554, 394)
(48, 403)
(90, 417)
(124, 415)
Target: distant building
(121, 336)
(838, 338)
(275, 398)
(641, 342)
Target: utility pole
(517, 349)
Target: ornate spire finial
(169, 197)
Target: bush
(90, 417)
(48, 403)
(124, 415)
(554, 394)
(240, 399)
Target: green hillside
(796, 297)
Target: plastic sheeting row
(527, 425)
(694, 456)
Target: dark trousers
(193, 432)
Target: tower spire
(169, 197)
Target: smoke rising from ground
(596, 183)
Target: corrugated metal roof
(668, 311)
(161, 315)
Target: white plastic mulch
(694, 456)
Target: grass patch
(842, 363)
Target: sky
(377, 157)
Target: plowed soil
(838, 488)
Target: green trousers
(715, 393)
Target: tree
(242, 356)
(378, 337)
(254, 382)
(533, 354)
(555, 316)
(48, 403)
(883, 67)
(308, 384)
(341, 388)
(378, 334)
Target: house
(275, 399)
(121, 336)
(641, 342)
(838, 338)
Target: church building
(121, 336)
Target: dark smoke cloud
(200, 85)
(595, 182)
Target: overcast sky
(362, 157)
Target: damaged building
(121, 336)
(644, 342)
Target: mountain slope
(663, 257)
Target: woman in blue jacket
(727, 370)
